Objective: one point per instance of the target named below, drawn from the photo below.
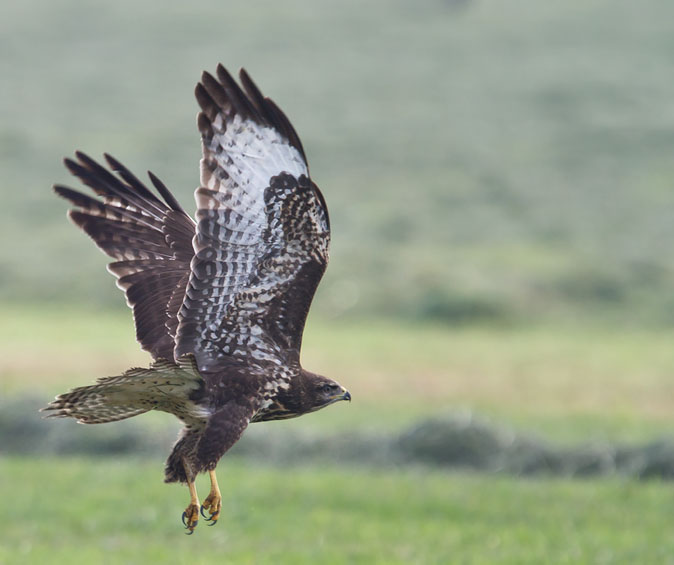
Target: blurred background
(499, 298)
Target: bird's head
(324, 391)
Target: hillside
(480, 160)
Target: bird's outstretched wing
(149, 238)
(262, 232)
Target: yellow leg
(191, 514)
(213, 502)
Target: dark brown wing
(262, 232)
(150, 239)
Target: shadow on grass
(454, 440)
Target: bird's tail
(165, 386)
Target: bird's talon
(213, 518)
(213, 505)
(191, 517)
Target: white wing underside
(251, 154)
(243, 257)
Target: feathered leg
(199, 450)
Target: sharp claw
(189, 533)
(201, 511)
(188, 523)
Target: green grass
(565, 382)
(106, 511)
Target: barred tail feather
(165, 386)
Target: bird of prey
(219, 302)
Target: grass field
(567, 382)
(499, 178)
(106, 511)
(479, 160)
(562, 382)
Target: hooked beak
(342, 395)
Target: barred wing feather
(262, 235)
(149, 238)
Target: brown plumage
(219, 303)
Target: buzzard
(219, 302)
